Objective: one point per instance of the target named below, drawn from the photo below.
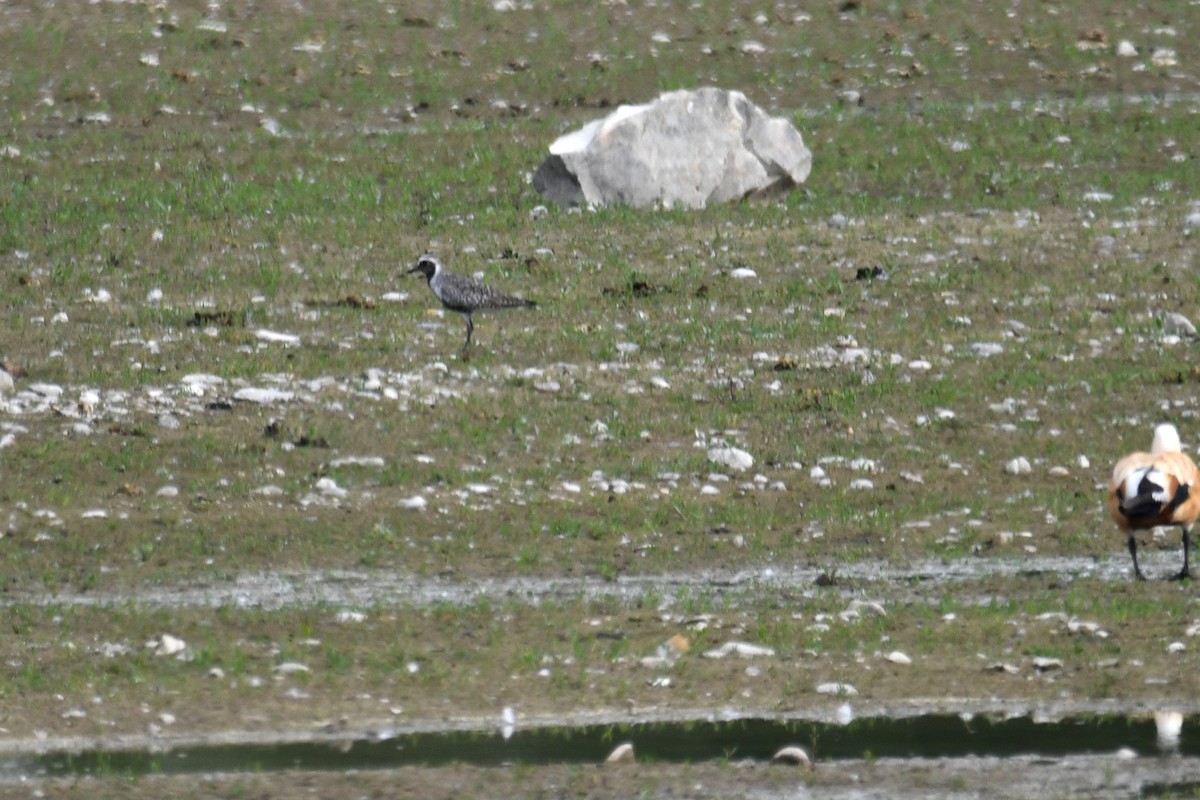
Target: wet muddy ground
(300, 736)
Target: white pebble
(166, 645)
(263, 396)
(743, 649)
(622, 754)
(273, 336)
(1177, 324)
(791, 755)
(731, 457)
(836, 689)
(987, 349)
(329, 488)
(290, 668)
(1164, 57)
(1018, 466)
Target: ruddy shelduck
(1153, 489)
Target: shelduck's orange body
(1156, 488)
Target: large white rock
(689, 147)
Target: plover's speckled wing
(463, 294)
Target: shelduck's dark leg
(1137, 571)
(1185, 573)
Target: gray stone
(689, 148)
(1177, 324)
(555, 183)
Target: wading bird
(1153, 489)
(464, 295)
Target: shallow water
(926, 737)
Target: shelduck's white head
(1166, 440)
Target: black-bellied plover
(462, 294)
(1155, 488)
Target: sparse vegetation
(977, 270)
